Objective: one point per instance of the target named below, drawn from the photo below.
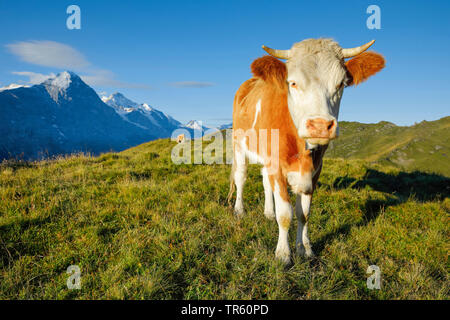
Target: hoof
(269, 215)
(303, 252)
(239, 212)
(283, 256)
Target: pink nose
(321, 128)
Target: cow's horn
(282, 54)
(351, 52)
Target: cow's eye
(294, 85)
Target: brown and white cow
(181, 138)
(296, 102)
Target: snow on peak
(62, 80)
(13, 86)
(119, 101)
(122, 105)
(125, 107)
(146, 107)
(57, 85)
(194, 124)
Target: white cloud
(48, 54)
(106, 78)
(99, 78)
(191, 84)
(62, 56)
(34, 78)
(58, 55)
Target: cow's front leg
(269, 211)
(302, 209)
(240, 175)
(283, 210)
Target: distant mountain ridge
(142, 115)
(147, 117)
(61, 115)
(423, 146)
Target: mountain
(147, 117)
(195, 127)
(62, 115)
(423, 146)
(226, 126)
(13, 86)
(142, 115)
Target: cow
(181, 138)
(296, 102)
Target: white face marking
(316, 78)
(312, 100)
(257, 112)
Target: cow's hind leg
(302, 209)
(268, 196)
(283, 211)
(240, 175)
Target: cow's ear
(269, 68)
(361, 67)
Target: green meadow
(140, 227)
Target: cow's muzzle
(321, 131)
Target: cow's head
(317, 75)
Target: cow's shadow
(400, 187)
(423, 186)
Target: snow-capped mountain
(62, 115)
(119, 102)
(142, 115)
(196, 128)
(196, 125)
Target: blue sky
(188, 58)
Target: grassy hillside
(424, 146)
(140, 227)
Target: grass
(140, 227)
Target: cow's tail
(232, 185)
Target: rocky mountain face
(142, 115)
(59, 116)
